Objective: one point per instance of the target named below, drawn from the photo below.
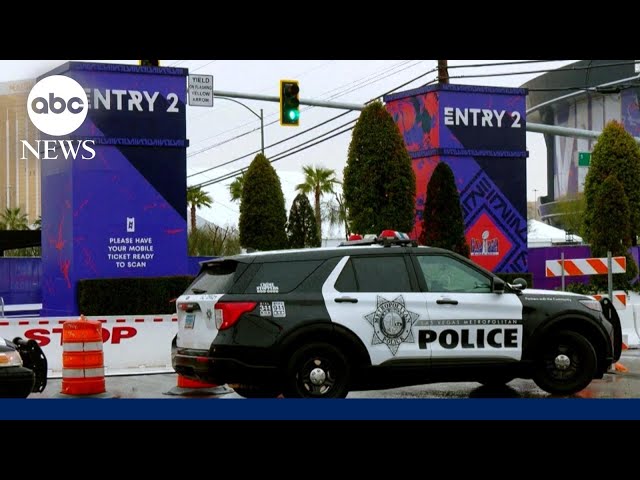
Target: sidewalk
(139, 386)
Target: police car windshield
(215, 278)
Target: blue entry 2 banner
(123, 212)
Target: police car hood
(554, 293)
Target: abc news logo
(57, 106)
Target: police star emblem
(391, 323)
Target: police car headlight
(10, 359)
(592, 305)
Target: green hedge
(510, 277)
(131, 296)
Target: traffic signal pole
(275, 98)
(530, 127)
(261, 117)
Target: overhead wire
(293, 150)
(337, 95)
(557, 70)
(297, 148)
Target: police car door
(378, 298)
(468, 323)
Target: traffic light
(149, 63)
(289, 103)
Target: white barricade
(132, 344)
(630, 320)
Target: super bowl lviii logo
(485, 245)
(57, 106)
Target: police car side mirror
(497, 286)
(520, 282)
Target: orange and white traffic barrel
(82, 358)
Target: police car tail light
(228, 313)
(189, 307)
(592, 304)
(10, 359)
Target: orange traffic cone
(189, 387)
(82, 360)
(621, 368)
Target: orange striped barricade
(619, 299)
(584, 266)
(82, 358)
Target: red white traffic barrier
(132, 344)
(585, 266)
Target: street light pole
(261, 117)
(261, 132)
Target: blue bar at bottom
(343, 409)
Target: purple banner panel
(483, 118)
(117, 208)
(480, 133)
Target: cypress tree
(262, 213)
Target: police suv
(23, 368)
(382, 313)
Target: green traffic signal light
(289, 103)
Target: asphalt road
(617, 384)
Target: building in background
(584, 95)
(19, 179)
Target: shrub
(443, 222)
(262, 213)
(131, 296)
(379, 183)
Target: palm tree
(334, 211)
(235, 188)
(197, 198)
(317, 181)
(14, 219)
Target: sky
(212, 131)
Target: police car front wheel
(566, 363)
(317, 370)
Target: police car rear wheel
(566, 363)
(318, 370)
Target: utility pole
(535, 204)
(443, 71)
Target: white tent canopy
(543, 235)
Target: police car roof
(320, 253)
